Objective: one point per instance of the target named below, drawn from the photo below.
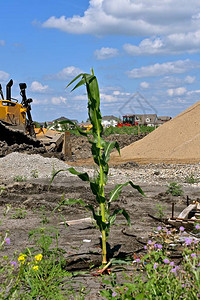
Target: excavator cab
(12, 113)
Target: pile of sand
(177, 141)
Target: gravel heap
(30, 165)
(26, 165)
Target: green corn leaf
(70, 202)
(81, 74)
(108, 148)
(82, 176)
(74, 124)
(112, 218)
(102, 225)
(54, 175)
(95, 188)
(114, 194)
(81, 82)
(74, 201)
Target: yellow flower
(22, 258)
(35, 268)
(38, 257)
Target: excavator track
(17, 140)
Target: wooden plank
(79, 221)
(67, 149)
(185, 212)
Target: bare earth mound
(177, 141)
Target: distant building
(161, 120)
(108, 121)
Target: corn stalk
(101, 150)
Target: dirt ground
(82, 241)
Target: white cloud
(105, 53)
(2, 43)
(144, 85)
(58, 100)
(176, 67)
(194, 92)
(4, 76)
(190, 79)
(38, 87)
(66, 73)
(128, 17)
(107, 98)
(175, 43)
(40, 101)
(118, 93)
(177, 92)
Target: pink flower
(181, 228)
(13, 263)
(7, 241)
(166, 261)
(155, 266)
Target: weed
(191, 179)
(2, 189)
(156, 275)
(160, 211)
(34, 173)
(174, 189)
(44, 218)
(19, 178)
(20, 213)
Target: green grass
(120, 130)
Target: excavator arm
(26, 103)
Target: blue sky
(145, 54)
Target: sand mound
(177, 141)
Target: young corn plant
(101, 150)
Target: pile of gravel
(28, 166)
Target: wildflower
(174, 270)
(114, 294)
(149, 242)
(38, 257)
(35, 268)
(171, 263)
(197, 226)
(181, 228)
(193, 255)
(188, 241)
(137, 260)
(145, 247)
(7, 241)
(159, 246)
(22, 258)
(13, 263)
(166, 261)
(159, 228)
(155, 266)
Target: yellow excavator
(16, 115)
(17, 126)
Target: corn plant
(101, 150)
